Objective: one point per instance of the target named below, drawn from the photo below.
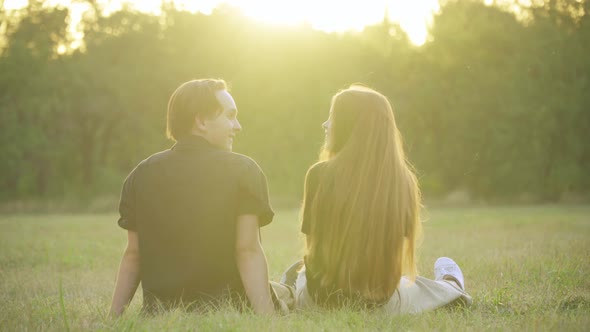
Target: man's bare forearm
(254, 273)
(126, 284)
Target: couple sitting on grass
(193, 214)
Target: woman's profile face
(327, 125)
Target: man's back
(184, 204)
(193, 213)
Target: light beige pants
(410, 298)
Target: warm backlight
(326, 15)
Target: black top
(312, 181)
(184, 203)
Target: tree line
(494, 104)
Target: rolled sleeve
(127, 204)
(253, 194)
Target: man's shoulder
(143, 165)
(238, 160)
(154, 158)
(232, 162)
(244, 159)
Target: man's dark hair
(191, 99)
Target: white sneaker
(289, 277)
(446, 268)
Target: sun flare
(326, 15)
(336, 15)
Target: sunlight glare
(204, 6)
(15, 4)
(414, 17)
(149, 6)
(339, 16)
(326, 15)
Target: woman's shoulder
(317, 168)
(315, 173)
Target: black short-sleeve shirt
(312, 180)
(184, 203)
(315, 176)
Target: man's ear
(199, 125)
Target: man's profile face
(221, 130)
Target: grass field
(527, 268)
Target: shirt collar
(192, 142)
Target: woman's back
(361, 205)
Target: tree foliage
(492, 104)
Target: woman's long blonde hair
(364, 215)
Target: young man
(193, 212)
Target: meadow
(527, 268)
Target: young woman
(361, 217)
